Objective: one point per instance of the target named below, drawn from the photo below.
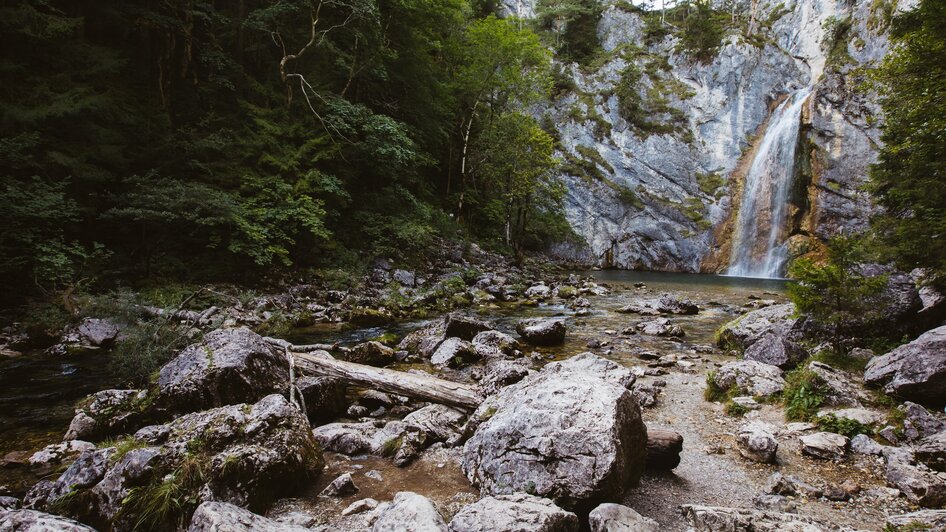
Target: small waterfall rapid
(758, 249)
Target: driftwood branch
(191, 316)
(306, 348)
(422, 387)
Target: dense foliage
(909, 179)
(835, 293)
(191, 139)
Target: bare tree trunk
(463, 156)
(387, 380)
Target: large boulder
(753, 377)
(914, 371)
(919, 484)
(324, 398)
(542, 331)
(464, 327)
(932, 451)
(454, 352)
(824, 445)
(840, 387)
(425, 341)
(246, 454)
(33, 521)
(777, 350)
(408, 512)
(571, 432)
(225, 517)
(98, 332)
(371, 354)
(660, 327)
(610, 517)
(230, 366)
(756, 441)
(518, 512)
(743, 331)
(108, 412)
(494, 344)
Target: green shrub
(803, 394)
(732, 408)
(842, 426)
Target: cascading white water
(758, 249)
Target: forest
(543, 265)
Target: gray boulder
(371, 354)
(571, 432)
(919, 484)
(610, 517)
(921, 520)
(324, 398)
(665, 304)
(932, 451)
(57, 453)
(225, 517)
(494, 344)
(754, 377)
(743, 331)
(424, 341)
(454, 352)
(464, 327)
(502, 373)
(518, 512)
(914, 371)
(33, 521)
(9, 503)
(777, 350)
(918, 422)
(98, 333)
(243, 454)
(863, 444)
(439, 422)
(660, 327)
(346, 438)
(399, 441)
(824, 445)
(342, 486)
(408, 512)
(230, 366)
(718, 518)
(756, 441)
(542, 331)
(841, 388)
(105, 413)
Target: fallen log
(423, 387)
(663, 446)
(663, 449)
(307, 348)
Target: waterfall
(758, 248)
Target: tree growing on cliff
(834, 293)
(909, 179)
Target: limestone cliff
(654, 142)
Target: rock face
(929, 519)
(243, 454)
(224, 517)
(230, 366)
(754, 377)
(408, 511)
(571, 432)
(33, 521)
(610, 517)
(932, 451)
(756, 441)
(542, 331)
(918, 483)
(914, 371)
(518, 511)
(660, 194)
(324, 398)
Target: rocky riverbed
(558, 434)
